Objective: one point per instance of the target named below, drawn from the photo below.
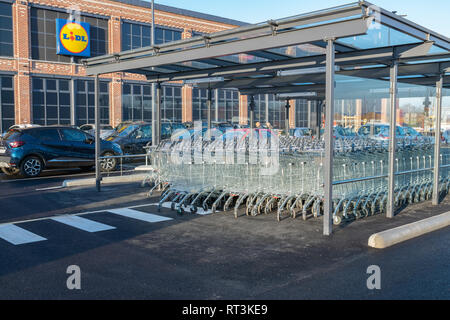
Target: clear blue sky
(433, 14)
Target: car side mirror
(89, 141)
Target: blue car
(30, 151)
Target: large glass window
(51, 101)
(228, 106)
(200, 105)
(136, 102)
(135, 36)
(7, 118)
(277, 112)
(171, 107)
(301, 113)
(166, 35)
(43, 35)
(6, 30)
(259, 112)
(85, 102)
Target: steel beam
(329, 141)
(284, 89)
(209, 106)
(352, 27)
(357, 58)
(153, 88)
(98, 175)
(390, 211)
(437, 146)
(272, 81)
(156, 121)
(252, 111)
(406, 26)
(216, 105)
(269, 27)
(288, 106)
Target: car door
(82, 146)
(141, 137)
(49, 145)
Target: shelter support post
(98, 174)
(329, 141)
(157, 116)
(209, 106)
(288, 106)
(309, 114)
(252, 111)
(320, 105)
(437, 145)
(154, 129)
(390, 210)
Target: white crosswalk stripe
(83, 224)
(17, 236)
(138, 215)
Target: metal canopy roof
(288, 55)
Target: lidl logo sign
(72, 38)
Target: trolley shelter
(358, 52)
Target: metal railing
(126, 160)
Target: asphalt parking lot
(133, 251)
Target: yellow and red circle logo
(74, 37)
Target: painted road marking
(18, 236)
(50, 188)
(83, 224)
(138, 215)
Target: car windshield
(382, 130)
(127, 130)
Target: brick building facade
(38, 86)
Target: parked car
(105, 130)
(258, 133)
(223, 126)
(380, 132)
(30, 151)
(411, 132)
(446, 136)
(340, 133)
(132, 138)
(300, 132)
(21, 126)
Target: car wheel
(31, 167)
(108, 165)
(10, 171)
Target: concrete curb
(105, 180)
(391, 237)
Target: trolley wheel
(194, 210)
(337, 220)
(180, 211)
(172, 206)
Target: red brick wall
(243, 109)
(186, 91)
(22, 85)
(24, 66)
